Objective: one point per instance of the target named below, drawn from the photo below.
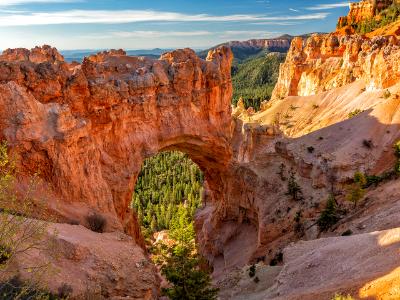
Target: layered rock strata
(87, 128)
(324, 62)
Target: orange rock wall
(364, 10)
(87, 128)
(324, 62)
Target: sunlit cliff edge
(87, 128)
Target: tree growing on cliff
(182, 266)
(294, 189)
(329, 215)
(355, 191)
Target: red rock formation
(95, 266)
(324, 62)
(364, 10)
(87, 128)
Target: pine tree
(329, 215)
(182, 264)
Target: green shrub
(329, 216)
(96, 222)
(387, 94)
(355, 193)
(21, 233)
(348, 232)
(342, 297)
(252, 271)
(277, 259)
(5, 254)
(359, 178)
(397, 149)
(373, 180)
(15, 288)
(368, 144)
(354, 113)
(397, 167)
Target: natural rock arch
(87, 127)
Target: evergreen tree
(181, 264)
(166, 181)
(329, 215)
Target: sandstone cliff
(324, 62)
(363, 10)
(306, 131)
(87, 129)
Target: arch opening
(169, 186)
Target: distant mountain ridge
(78, 55)
(245, 49)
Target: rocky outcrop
(364, 10)
(87, 128)
(36, 55)
(90, 264)
(325, 62)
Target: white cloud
(316, 16)
(278, 23)
(19, 2)
(328, 6)
(158, 34)
(166, 34)
(131, 16)
(295, 10)
(247, 33)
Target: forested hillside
(169, 186)
(255, 78)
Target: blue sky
(145, 24)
